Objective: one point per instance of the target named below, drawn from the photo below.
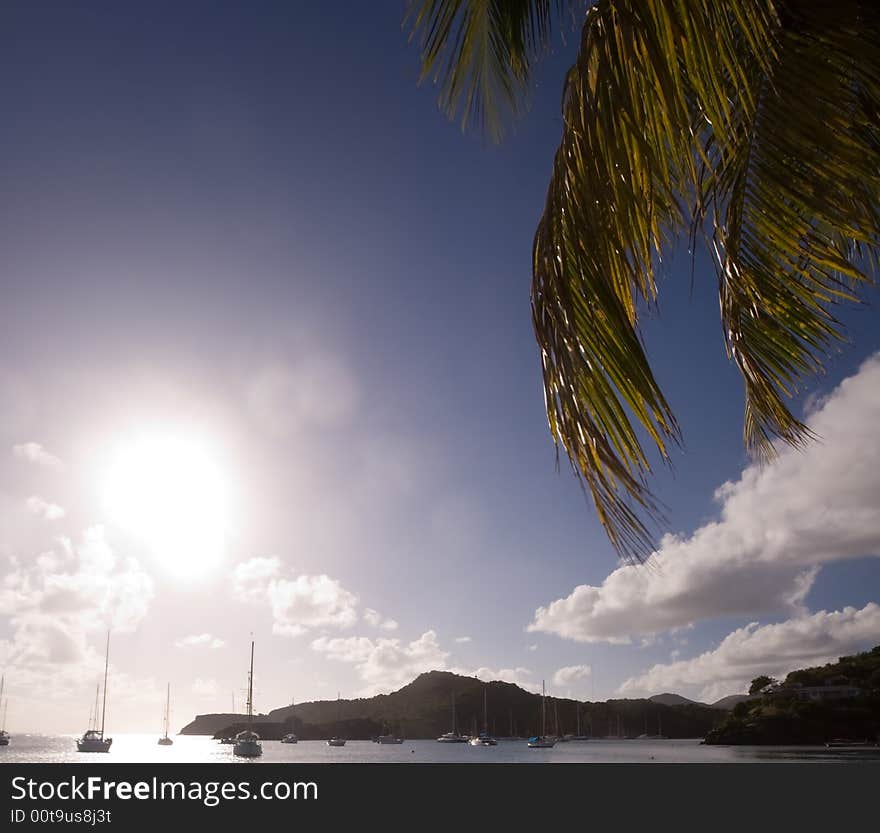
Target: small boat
(4, 735)
(247, 743)
(484, 738)
(93, 740)
(542, 741)
(165, 740)
(453, 736)
(290, 737)
(844, 742)
(386, 739)
(336, 740)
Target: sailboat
(290, 737)
(453, 736)
(165, 740)
(579, 736)
(247, 743)
(560, 738)
(93, 740)
(336, 740)
(542, 741)
(484, 738)
(4, 736)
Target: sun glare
(168, 492)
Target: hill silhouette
(423, 709)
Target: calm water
(143, 749)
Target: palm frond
(798, 206)
(481, 52)
(648, 81)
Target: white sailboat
(4, 735)
(453, 736)
(93, 740)
(165, 740)
(484, 738)
(247, 743)
(542, 741)
(336, 740)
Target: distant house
(832, 690)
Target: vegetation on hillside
(786, 714)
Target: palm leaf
(480, 53)
(757, 118)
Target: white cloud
(297, 604)
(85, 587)
(310, 602)
(250, 579)
(59, 606)
(35, 453)
(199, 640)
(43, 509)
(204, 688)
(462, 639)
(570, 674)
(773, 649)
(385, 664)
(374, 618)
(519, 676)
(778, 524)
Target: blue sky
(244, 231)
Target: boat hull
(541, 743)
(93, 745)
(336, 742)
(165, 742)
(247, 749)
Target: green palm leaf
(755, 120)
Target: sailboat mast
(453, 712)
(250, 702)
(543, 710)
(167, 706)
(106, 666)
(485, 714)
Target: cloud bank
(756, 649)
(778, 524)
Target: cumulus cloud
(374, 618)
(250, 580)
(778, 524)
(756, 649)
(570, 674)
(385, 664)
(85, 586)
(59, 606)
(297, 604)
(35, 453)
(199, 640)
(519, 676)
(44, 509)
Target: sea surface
(130, 748)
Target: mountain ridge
(423, 709)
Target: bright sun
(168, 492)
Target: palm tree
(753, 124)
